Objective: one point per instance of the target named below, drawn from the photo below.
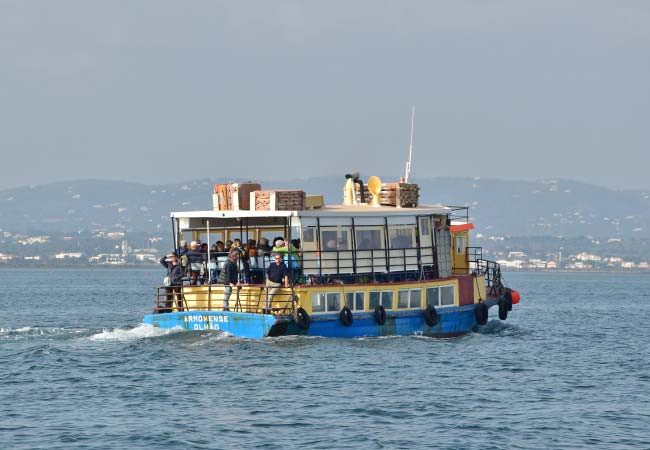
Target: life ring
(503, 309)
(302, 319)
(481, 312)
(508, 299)
(431, 316)
(380, 315)
(346, 316)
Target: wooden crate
(233, 196)
(277, 200)
(401, 195)
(314, 201)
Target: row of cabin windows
(367, 238)
(406, 299)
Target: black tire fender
(380, 315)
(345, 316)
(302, 319)
(508, 299)
(481, 313)
(431, 316)
(503, 309)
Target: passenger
(204, 248)
(195, 261)
(228, 245)
(252, 250)
(174, 280)
(276, 276)
(183, 248)
(245, 265)
(281, 247)
(221, 248)
(263, 246)
(229, 277)
(236, 245)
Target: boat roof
(326, 211)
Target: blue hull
(240, 324)
(453, 321)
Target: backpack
(223, 275)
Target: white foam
(142, 331)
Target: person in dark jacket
(174, 282)
(229, 276)
(277, 275)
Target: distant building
(146, 257)
(34, 240)
(68, 255)
(516, 255)
(588, 257)
(107, 258)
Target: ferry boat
(360, 269)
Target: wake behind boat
(383, 267)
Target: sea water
(568, 369)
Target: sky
(158, 91)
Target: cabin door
(426, 246)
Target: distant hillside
(498, 207)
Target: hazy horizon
(160, 91)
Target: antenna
(408, 163)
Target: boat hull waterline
(453, 321)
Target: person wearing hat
(173, 282)
(195, 259)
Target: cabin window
(440, 295)
(409, 298)
(401, 236)
(309, 235)
(355, 300)
(318, 302)
(369, 239)
(335, 238)
(325, 301)
(383, 298)
(425, 226)
(461, 244)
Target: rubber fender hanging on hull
(503, 309)
(346, 316)
(508, 298)
(380, 315)
(481, 313)
(302, 319)
(431, 316)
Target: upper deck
(325, 211)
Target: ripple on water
(554, 375)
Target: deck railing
(490, 269)
(251, 299)
(347, 266)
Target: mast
(408, 163)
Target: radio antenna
(408, 163)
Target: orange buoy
(515, 296)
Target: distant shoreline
(157, 266)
